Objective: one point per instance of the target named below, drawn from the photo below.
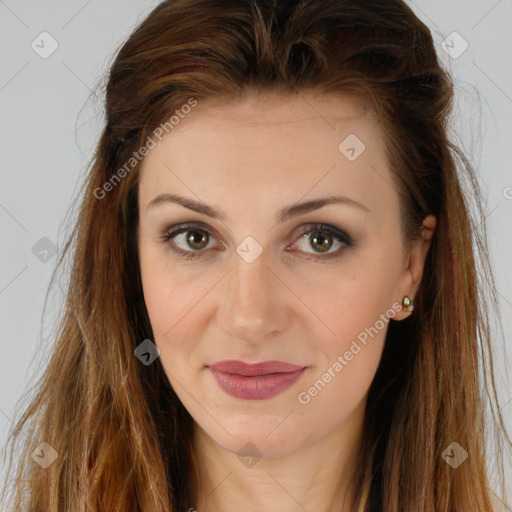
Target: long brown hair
(121, 435)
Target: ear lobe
(415, 263)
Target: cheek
(357, 310)
(337, 387)
(355, 307)
(168, 297)
(168, 313)
(348, 363)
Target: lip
(258, 381)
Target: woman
(216, 351)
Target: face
(240, 272)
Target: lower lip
(258, 387)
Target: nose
(253, 301)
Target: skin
(250, 158)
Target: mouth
(258, 381)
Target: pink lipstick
(255, 381)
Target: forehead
(262, 146)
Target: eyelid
(183, 227)
(337, 233)
(342, 236)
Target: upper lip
(251, 370)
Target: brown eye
(321, 242)
(187, 240)
(321, 238)
(197, 239)
(190, 239)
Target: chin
(259, 436)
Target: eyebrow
(283, 214)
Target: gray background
(51, 118)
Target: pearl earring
(408, 304)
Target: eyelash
(340, 236)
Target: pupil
(323, 241)
(195, 237)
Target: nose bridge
(252, 309)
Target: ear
(414, 263)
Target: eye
(189, 240)
(185, 237)
(322, 237)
